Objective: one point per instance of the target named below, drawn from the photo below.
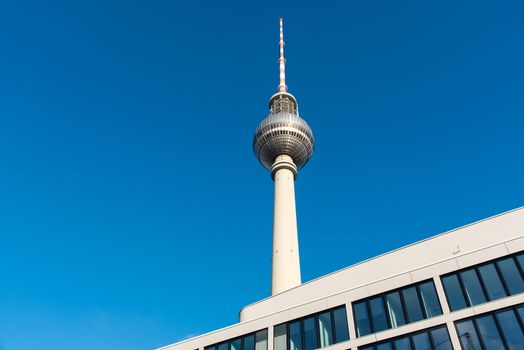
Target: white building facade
(463, 289)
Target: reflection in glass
(430, 299)
(236, 344)
(385, 346)
(394, 305)
(222, 346)
(402, 344)
(414, 311)
(295, 336)
(378, 314)
(489, 333)
(474, 291)
(325, 333)
(249, 342)
(362, 318)
(454, 293)
(492, 282)
(511, 329)
(511, 276)
(468, 336)
(310, 334)
(261, 340)
(520, 259)
(421, 341)
(280, 337)
(441, 339)
(341, 324)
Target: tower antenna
(281, 60)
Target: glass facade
(429, 339)
(313, 331)
(501, 329)
(485, 282)
(396, 308)
(252, 341)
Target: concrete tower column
(286, 259)
(283, 143)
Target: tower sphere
(283, 132)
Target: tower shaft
(283, 143)
(286, 261)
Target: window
(340, 318)
(313, 331)
(454, 292)
(378, 314)
(485, 282)
(430, 339)
(396, 308)
(362, 318)
(252, 341)
(501, 329)
(472, 287)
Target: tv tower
(283, 144)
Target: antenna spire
(281, 60)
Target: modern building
(463, 289)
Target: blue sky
(133, 213)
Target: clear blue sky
(132, 211)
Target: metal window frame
(317, 327)
(493, 314)
(410, 336)
(402, 302)
(481, 280)
(228, 341)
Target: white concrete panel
(482, 255)
(412, 327)
(338, 299)
(308, 309)
(516, 245)
(389, 284)
(358, 293)
(437, 269)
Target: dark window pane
(414, 311)
(295, 336)
(454, 293)
(362, 318)
(222, 346)
(236, 344)
(402, 344)
(210, 347)
(489, 333)
(472, 286)
(310, 334)
(511, 275)
(520, 311)
(520, 259)
(249, 342)
(492, 282)
(378, 314)
(421, 341)
(430, 299)
(395, 312)
(385, 346)
(280, 337)
(368, 347)
(511, 329)
(324, 329)
(468, 336)
(341, 324)
(441, 339)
